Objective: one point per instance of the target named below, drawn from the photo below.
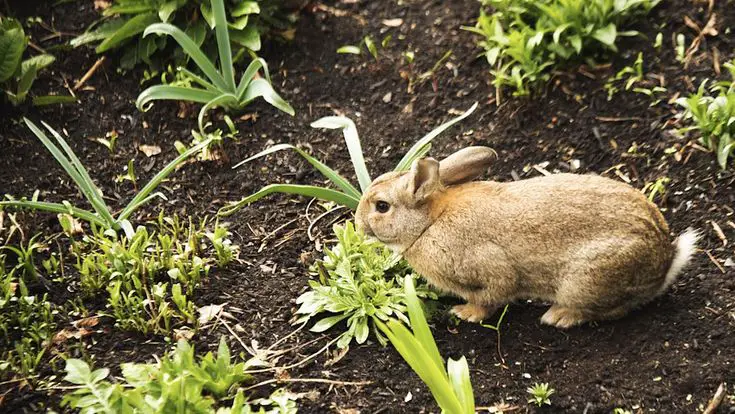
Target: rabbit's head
(399, 206)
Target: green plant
(124, 22)
(102, 215)
(177, 383)
(360, 282)
(622, 411)
(635, 78)
(150, 276)
(347, 195)
(656, 188)
(713, 115)
(17, 75)
(524, 40)
(220, 89)
(450, 386)
(540, 394)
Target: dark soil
(668, 357)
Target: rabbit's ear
(423, 179)
(466, 165)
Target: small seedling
(540, 394)
(656, 188)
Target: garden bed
(669, 356)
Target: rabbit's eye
(382, 207)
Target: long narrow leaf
(329, 173)
(85, 215)
(418, 323)
(142, 195)
(191, 49)
(459, 377)
(411, 155)
(198, 79)
(262, 88)
(250, 73)
(305, 190)
(223, 43)
(177, 93)
(224, 99)
(353, 145)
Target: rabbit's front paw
(562, 317)
(470, 312)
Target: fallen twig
(712, 258)
(89, 73)
(318, 380)
(716, 400)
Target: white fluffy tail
(686, 245)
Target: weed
(635, 81)
(178, 382)
(540, 394)
(17, 75)
(359, 280)
(524, 40)
(450, 386)
(656, 188)
(347, 195)
(713, 115)
(102, 215)
(220, 88)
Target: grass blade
(418, 323)
(261, 88)
(223, 43)
(191, 49)
(349, 130)
(305, 190)
(411, 155)
(329, 173)
(142, 196)
(222, 100)
(85, 215)
(176, 93)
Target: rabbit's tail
(686, 245)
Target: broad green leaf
(262, 88)
(304, 190)
(349, 130)
(77, 372)
(248, 37)
(167, 9)
(245, 7)
(132, 27)
(39, 62)
(606, 35)
(417, 148)
(12, 45)
(329, 173)
(326, 323)
(102, 32)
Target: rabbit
(593, 247)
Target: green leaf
(132, 27)
(167, 9)
(371, 47)
(329, 173)
(102, 32)
(248, 37)
(418, 147)
(223, 43)
(606, 35)
(245, 7)
(77, 372)
(305, 190)
(349, 130)
(262, 88)
(328, 322)
(56, 208)
(12, 45)
(39, 62)
(459, 377)
(349, 49)
(176, 93)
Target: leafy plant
(360, 282)
(150, 276)
(102, 215)
(656, 188)
(713, 115)
(450, 386)
(540, 394)
(176, 383)
(219, 89)
(17, 75)
(524, 40)
(635, 81)
(125, 21)
(346, 195)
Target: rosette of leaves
(359, 281)
(123, 23)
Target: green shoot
(540, 394)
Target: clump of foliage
(524, 40)
(150, 277)
(712, 113)
(27, 320)
(219, 89)
(176, 383)
(347, 194)
(17, 74)
(540, 394)
(103, 215)
(635, 80)
(124, 22)
(360, 281)
(450, 386)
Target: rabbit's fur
(594, 247)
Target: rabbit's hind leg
(472, 312)
(563, 317)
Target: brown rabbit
(594, 247)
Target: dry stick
(715, 402)
(297, 364)
(224, 322)
(287, 336)
(714, 260)
(89, 73)
(319, 380)
(316, 220)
